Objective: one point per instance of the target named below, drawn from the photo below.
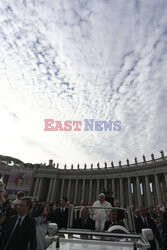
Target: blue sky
(76, 60)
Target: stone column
(49, 191)
(76, 191)
(130, 192)
(90, 190)
(83, 190)
(97, 188)
(139, 200)
(69, 190)
(113, 187)
(36, 187)
(165, 187)
(158, 191)
(121, 192)
(144, 191)
(53, 194)
(62, 188)
(105, 184)
(165, 181)
(39, 188)
(148, 193)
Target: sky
(83, 59)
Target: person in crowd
(137, 213)
(90, 204)
(20, 195)
(61, 214)
(101, 215)
(113, 220)
(159, 222)
(69, 203)
(120, 212)
(152, 213)
(2, 217)
(78, 212)
(2, 196)
(35, 209)
(15, 207)
(50, 210)
(164, 230)
(41, 227)
(109, 197)
(165, 206)
(133, 209)
(82, 203)
(155, 215)
(6, 212)
(56, 205)
(20, 231)
(84, 222)
(161, 208)
(144, 221)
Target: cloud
(76, 60)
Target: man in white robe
(101, 215)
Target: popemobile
(117, 237)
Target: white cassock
(101, 215)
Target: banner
(19, 180)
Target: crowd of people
(23, 224)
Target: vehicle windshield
(101, 219)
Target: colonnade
(143, 190)
(141, 184)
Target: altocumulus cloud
(79, 60)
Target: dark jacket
(81, 224)
(150, 224)
(164, 230)
(110, 223)
(121, 214)
(61, 217)
(26, 234)
(110, 200)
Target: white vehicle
(116, 238)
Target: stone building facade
(141, 184)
